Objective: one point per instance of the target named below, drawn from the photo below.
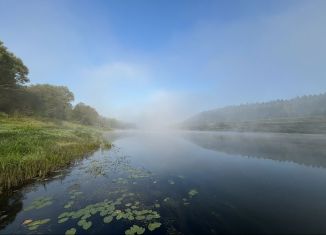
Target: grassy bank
(32, 148)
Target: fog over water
(168, 63)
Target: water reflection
(188, 188)
(308, 150)
(10, 205)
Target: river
(180, 183)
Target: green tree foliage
(42, 100)
(50, 101)
(13, 74)
(305, 107)
(85, 114)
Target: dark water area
(180, 183)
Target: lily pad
(87, 225)
(63, 220)
(64, 214)
(192, 193)
(71, 231)
(107, 219)
(40, 203)
(153, 226)
(35, 224)
(135, 229)
(28, 221)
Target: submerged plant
(40, 203)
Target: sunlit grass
(33, 148)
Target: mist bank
(305, 114)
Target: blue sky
(165, 60)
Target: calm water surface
(181, 183)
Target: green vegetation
(42, 100)
(305, 114)
(153, 226)
(40, 203)
(135, 229)
(35, 224)
(192, 193)
(32, 148)
(71, 231)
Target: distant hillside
(305, 114)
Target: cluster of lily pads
(40, 203)
(121, 204)
(108, 209)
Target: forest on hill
(306, 114)
(18, 98)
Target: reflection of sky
(177, 58)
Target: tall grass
(30, 148)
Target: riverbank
(31, 148)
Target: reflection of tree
(10, 205)
(302, 149)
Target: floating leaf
(39, 203)
(107, 219)
(87, 225)
(27, 221)
(64, 214)
(140, 217)
(166, 199)
(35, 224)
(71, 231)
(63, 220)
(153, 226)
(192, 193)
(81, 222)
(135, 229)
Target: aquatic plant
(135, 229)
(166, 199)
(108, 219)
(69, 204)
(192, 193)
(153, 226)
(35, 224)
(40, 203)
(71, 231)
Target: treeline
(302, 114)
(42, 100)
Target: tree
(51, 101)
(85, 114)
(13, 74)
